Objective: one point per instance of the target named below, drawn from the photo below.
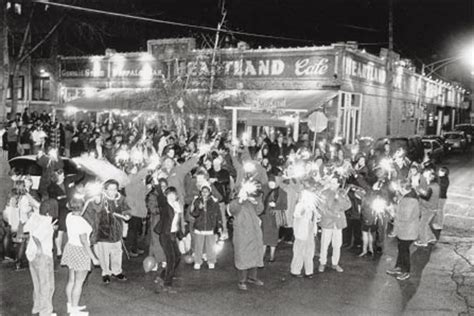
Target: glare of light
(79, 196)
(122, 155)
(332, 148)
(355, 150)
(468, 54)
(395, 186)
(136, 156)
(248, 188)
(379, 205)
(53, 153)
(299, 170)
(89, 91)
(204, 147)
(70, 110)
(386, 164)
(93, 189)
(249, 167)
(146, 74)
(245, 137)
(145, 57)
(219, 246)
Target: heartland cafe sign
(269, 66)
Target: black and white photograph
(236, 157)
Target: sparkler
(93, 189)
(379, 205)
(386, 164)
(53, 153)
(136, 156)
(122, 156)
(219, 246)
(249, 167)
(248, 188)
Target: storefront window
(349, 116)
(41, 89)
(19, 88)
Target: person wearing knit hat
(207, 222)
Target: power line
(180, 24)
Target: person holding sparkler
(406, 228)
(306, 216)
(49, 164)
(247, 239)
(106, 212)
(207, 222)
(333, 221)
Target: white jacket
(305, 218)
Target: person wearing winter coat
(275, 204)
(155, 199)
(136, 192)
(406, 228)
(305, 228)
(207, 222)
(49, 164)
(443, 182)
(333, 221)
(247, 239)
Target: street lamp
(467, 55)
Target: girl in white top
(77, 256)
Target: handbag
(280, 218)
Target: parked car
(26, 165)
(456, 141)
(468, 129)
(412, 145)
(433, 149)
(438, 138)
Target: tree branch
(26, 34)
(41, 42)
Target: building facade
(269, 88)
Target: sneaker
(420, 244)
(395, 271)
(309, 276)
(106, 279)
(70, 309)
(211, 266)
(299, 276)
(255, 281)
(133, 254)
(403, 276)
(338, 268)
(140, 251)
(321, 267)
(8, 260)
(242, 286)
(392, 235)
(197, 266)
(120, 277)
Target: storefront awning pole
(296, 128)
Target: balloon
(149, 263)
(188, 259)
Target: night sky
(425, 30)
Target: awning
(305, 101)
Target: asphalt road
(442, 283)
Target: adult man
(428, 192)
(106, 215)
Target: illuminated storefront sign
(356, 68)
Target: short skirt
(76, 258)
(369, 228)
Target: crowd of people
(188, 193)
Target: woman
(369, 222)
(153, 205)
(275, 203)
(248, 241)
(406, 228)
(77, 256)
(207, 223)
(57, 190)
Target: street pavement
(442, 281)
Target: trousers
(403, 257)
(201, 241)
(134, 228)
(303, 254)
(42, 275)
(246, 274)
(425, 228)
(330, 236)
(173, 257)
(110, 257)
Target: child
(77, 256)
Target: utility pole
(390, 68)
(213, 72)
